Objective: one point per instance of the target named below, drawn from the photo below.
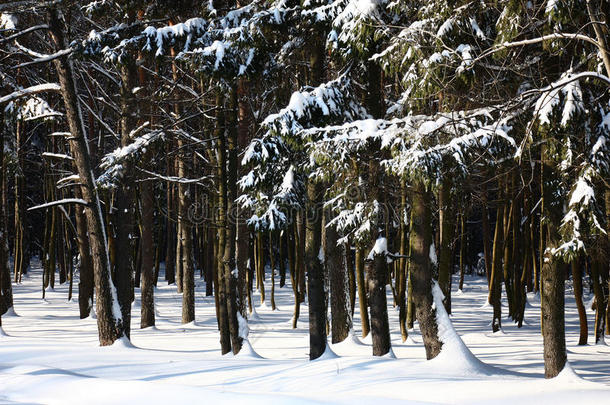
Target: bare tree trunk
(230, 179)
(463, 240)
(376, 270)
(6, 291)
(148, 281)
(582, 313)
(86, 284)
(315, 273)
(486, 237)
(495, 288)
(125, 199)
(341, 322)
(222, 291)
(109, 322)
(401, 276)
(447, 233)
(421, 276)
(362, 298)
(553, 276)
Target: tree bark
(553, 275)
(421, 239)
(315, 273)
(341, 322)
(109, 322)
(148, 282)
(582, 313)
(447, 233)
(376, 269)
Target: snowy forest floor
(50, 356)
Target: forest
(354, 167)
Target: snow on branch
(59, 202)
(330, 103)
(114, 162)
(40, 88)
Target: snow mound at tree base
(248, 351)
(2, 332)
(568, 375)
(122, 343)
(455, 355)
(327, 355)
(10, 312)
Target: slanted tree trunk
(421, 277)
(109, 321)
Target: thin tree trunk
(582, 313)
(495, 288)
(339, 287)
(6, 291)
(148, 281)
(463, 239)
(447, 233)
(362, 298)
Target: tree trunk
(376, 269)
(447, 233)
(553, 275)
(495, 288)
(421, 276)
(6, 291)
(315, 273)
(362, 298)
(148, 282)
(230, 179)
(582, 313)
(341, 322)
(85, 285)
(124, 198)
(109, 322)
(463, 240)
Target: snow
(582, 194)
(7, 21)
(59, 202)
(380, 248)
(30, 90)
(432, 254)
(51, 356)
(551, 5)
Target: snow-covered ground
(50, 356)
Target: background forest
(338, 148)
